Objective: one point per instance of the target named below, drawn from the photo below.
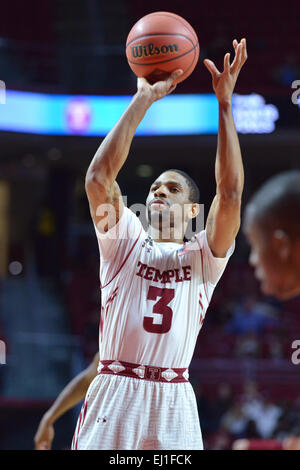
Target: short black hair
(277, 202)
(194, 195)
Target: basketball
(160, 43)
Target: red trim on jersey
(75, 438)
(79, 425)
(102, 287)
(203, 276)
(200, 301)
(201, 315)
(202, 269)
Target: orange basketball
(160, 43)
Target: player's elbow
(230, 200)
(229, 209)
(231, 191)
(94, 181)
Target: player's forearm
(113, 151)
(229, 164)
(72, 394)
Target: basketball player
(71, 395)
(155, 289)
(272, 227)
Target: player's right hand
(159, 89)
(44, 435)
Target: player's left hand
(44, 435)
(224, 83)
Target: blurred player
(71, 395)
(155, 289)
(272, 226)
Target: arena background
(49, 290)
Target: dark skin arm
(72, 394)
(223, 221)
(104, 195)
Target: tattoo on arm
(113, 193)
(114, 198)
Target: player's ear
(282, 244)
(195, 209)
(192, 210)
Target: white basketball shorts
(125, 413)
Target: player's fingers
(176, 74)
(241, 56)
(142, 83)
(211, 67)
(173, 77)
(172, 89)
(235, 43)
(237, 60)
(227, 63)
(244, 50)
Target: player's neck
(164, 236)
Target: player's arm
(100, 183)
(223, 220)
(72, 394)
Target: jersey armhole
(123, 263)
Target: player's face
(270, 270)
(168, 200)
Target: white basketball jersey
(154, 295)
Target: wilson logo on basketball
(150, 49)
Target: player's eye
(174, 190)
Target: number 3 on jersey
(161, 307)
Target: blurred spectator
(221, 440)
(266, 417)
(255, 422)
(235, 421)
(288, 421)
(251, 399)
(261, 410)
(204, 409)
(222, 403)
(274, 346)
(251, 431)
(248, 345)
(249, 315)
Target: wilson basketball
(160, 43)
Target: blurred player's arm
(100, 181)
(73, 393)
(223, 221)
